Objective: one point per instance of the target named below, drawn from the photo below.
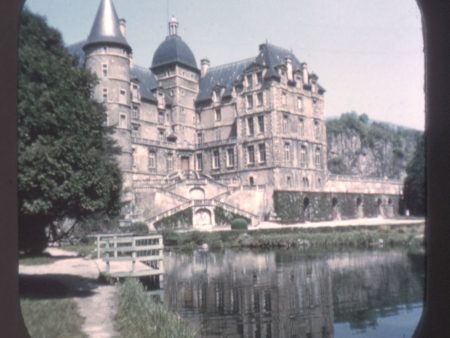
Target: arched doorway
(306, 209)
(359, 207)
(335, 213)
(380, 207)
(202, 217)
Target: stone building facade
(204, 137)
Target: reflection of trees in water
(286, 294)
(364, 292)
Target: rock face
(358, 146)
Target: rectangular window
(249, 80)
(135, 131)
(259, 78)
(284, 98)
(161, 135)
(123, 96)
(287, 153)
(230, 157)
(318, 158)
(105, 94)
(198, 118)
(249, 101)
(218, 114)
(199, 162)
(301, 126)
(105, 70)
(161, 117)
(250, 155)
(169, 163)
(285, 123)
(250, 126)
(317, 130)
(135, 112)
(123, 123)
(259, 99)
(299, 103)
(218, 135)
(151, 160)
(200, 138)
(262, 152)
(303, 156)
(216, 160)
(261, 123)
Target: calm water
(289, 293)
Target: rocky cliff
(359, 146)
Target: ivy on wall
(295, 206)
(181, 219)
(224, 217)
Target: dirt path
(96, 302)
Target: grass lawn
(37, 259)
(139, 316)
(83, 250)
(52, 318)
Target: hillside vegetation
(359, 146)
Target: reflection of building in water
(285, 294)
(252, 298)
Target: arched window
(318, 158)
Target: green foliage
(224, 217)
(138, 228)
(139, 316)
(374, 137)
(181, 219)
(66, 164)
(415, 182)
(52, 318)
(239, 224)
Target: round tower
(108, 55)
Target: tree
(414, 185)
(66, 163)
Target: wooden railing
(128, 248)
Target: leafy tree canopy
(66, 164)
(414, 185)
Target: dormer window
(259, 78)
(249, 78)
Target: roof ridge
(230, 63)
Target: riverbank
(361, 233)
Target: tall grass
(139, 316)
(52, 318)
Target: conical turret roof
(106, 27)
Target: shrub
(239, 224)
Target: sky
(368, 54)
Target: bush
(239, 224)
(139, 228)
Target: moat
(290, 293)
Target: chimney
(305, 73)
(290, 74)
(123, 26)
(204, 63)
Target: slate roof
(106, 27)
(147, 82)
(174, 50)
(225, 76)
